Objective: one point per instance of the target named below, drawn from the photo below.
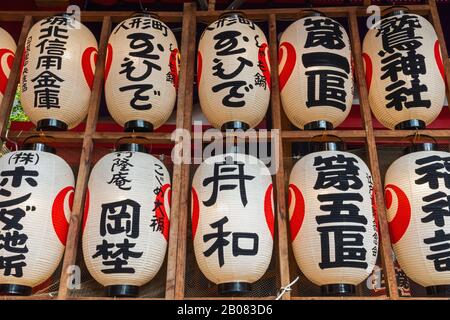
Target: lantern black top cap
(394, 11)
(311, 13)
(147, 14)
(421, 145)
(133, 143)
(232, 14)
(39, 146)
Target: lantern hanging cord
(286, 289)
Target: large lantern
(404, 71)
(36, 197)
(232, 220)
(7, 50)
(58, 72)
(233, 73)
(417, 188)
(316, 74)
(333, 227)
(126, 220)
(141, 76)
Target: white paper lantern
(7, 50)
(404, 71)
(141, 76)
(36, 197)
(417, 188)
(126, 221)
(316, 73)
(233, 73)
(58, 73)
(333, 228)
(232, 220)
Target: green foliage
(17, 113)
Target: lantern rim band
(39, 146)
(122, 290)
(326, 146)
(396, 10)
(235, 125)
(442, 290)
(15, 290)
(318, 125)
(132, 146)
(51, 125)
(138, 126)
(312, 13)
(144, 13)
(238, 288)
(412, 124)
(426, 146)
(338, 290)
(232, 13)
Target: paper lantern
(232, 220)
(141, 76)
(315, 73)
(233, 73)
(404, 71)
(7, 50)
(36, 198)
(58, 73)
(333, 227)
(126, 221)
(417, 188)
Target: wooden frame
(177, 248)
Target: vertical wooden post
(85, 163)
(384, 241)
(14, 76)
(280, 190)
(211, 5)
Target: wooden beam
(74, 233)
(385, 249)
(347, 135)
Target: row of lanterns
(401, 53)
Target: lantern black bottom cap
(132, 147)
(235, 125)
(318, 125)
(14, 290)
(39, 146)
(338, 290)
(122, 291)
(439, 291)
(411, 125)
(51, 125)
(234, 288)
(138, 126)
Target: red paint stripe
(162, 213)
(109, 57)
(402, 218)
(299, 210)
(86, 209)
(268, 210)
(86, 64)
(369, 69)
(9, 61)
(199, 67)
(195, 212)
(60, 223)
(438, 58)
(173, 64)
(289, 65)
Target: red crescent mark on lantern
(199, 67)
(195, 212)
(86, 64)
(438, 57)
(400, 223)
(9, 62)
(161, 212)
(173, 64)
(60, 223)
(369, 70)
(375, 210)
(263, 57)
(299, 210)
(86, 210)
(109, 57)
(268, 210)
(291, 58)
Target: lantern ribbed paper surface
(7, 50)
(417, 186)
(141, 76)
(333, 228)
(404, 70)
(233, 72)
(36, 197)
(58, 71)
(232, 218)
(315, 71)
(126, 220)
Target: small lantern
(36, 196)
(141, 76)
(232, 220)
(417, 188)
(333, 227)
(7, 50)
(126, 220)
(404, 71)
(58, 73)
(233, 73)
(315, 73)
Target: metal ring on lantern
(422, 146)
(135, 145)
(325, 144)
(40, 144)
